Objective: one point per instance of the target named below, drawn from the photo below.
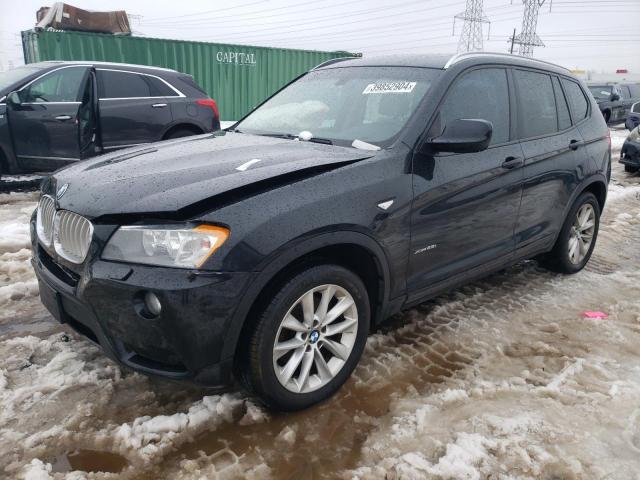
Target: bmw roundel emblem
(313, 337)
(62, 190)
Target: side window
(577, 100)
(624, 91)
(60, 86)
(112, 84)
(480, 94)
(635, 90)
(564, 120)
(536, 104)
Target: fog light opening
(147, 304)
(152, 304)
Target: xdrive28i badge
(62, 190)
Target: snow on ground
(500, 379)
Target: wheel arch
(353, 250)
(599, 189)
(196, 129)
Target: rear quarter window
(577, 100)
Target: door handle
(158, 105)
(512, 162)
(63, 118)
(574, 144)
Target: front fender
(292, 251)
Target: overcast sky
(602, 35)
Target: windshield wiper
(290, 136)
(325, 141)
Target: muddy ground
(502, 378)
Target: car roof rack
(332, 61)
(461, 56)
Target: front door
(45, 121)
(466, 205)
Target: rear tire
(293, 359)
(572, 252)
(630, 169)
(179, 133)
(607, 116)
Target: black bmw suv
(56, 113)
(268, 252)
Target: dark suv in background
(615, 100)
(55, 113)
(364, 187)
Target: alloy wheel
(581, 235)
(315, 338)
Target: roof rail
(461, 56)
(332, 61)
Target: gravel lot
(500, 379)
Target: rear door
(133, 109)
(466, 204)
(45, 124)
(625, 98)
(553, 148)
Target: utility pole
(513, 39)
(471, 36)
(528, 38)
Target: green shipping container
(238, 77)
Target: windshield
(341, 105)
(600, 91)
(10, 77)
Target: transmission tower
(528, 38)
(471, 36)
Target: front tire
(308, 339)
(577, 238)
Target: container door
(44, 118)
(131, 109)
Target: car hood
(171, 176)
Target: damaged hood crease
(174, 176)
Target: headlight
(181, 247)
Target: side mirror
(463, 136)
(14, 99)
(614, 97)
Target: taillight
(208, 102)
(609, 137)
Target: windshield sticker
(389, 87)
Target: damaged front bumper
(102, 302)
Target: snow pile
(17, 280)
(152, 437)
